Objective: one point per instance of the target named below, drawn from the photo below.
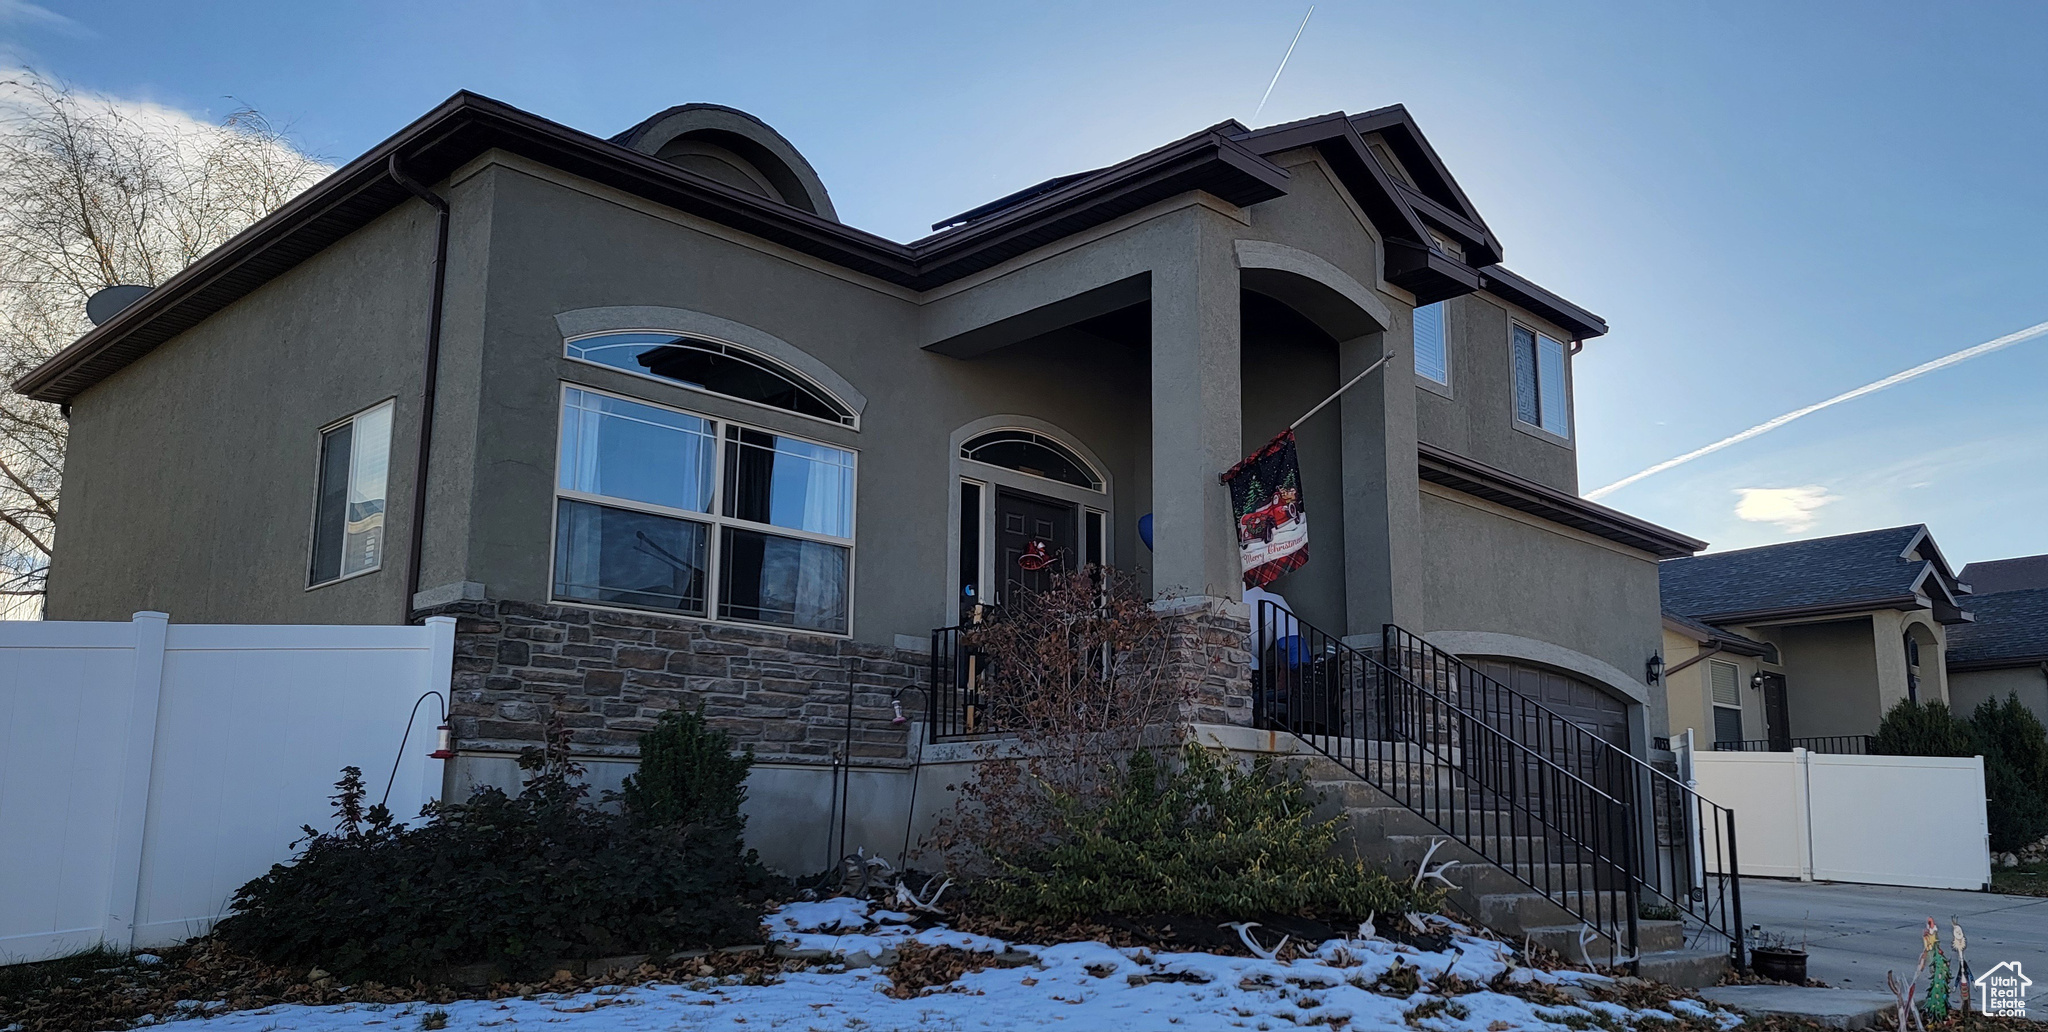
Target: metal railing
(1552, 830)
(1687, 841)
(956, 706)
(1834, 745)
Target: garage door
(1581, 702)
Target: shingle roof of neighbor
(2010, 625)
(1705, 632)
(1845, 572)
(1990, 578)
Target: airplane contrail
(1283, 60)
(1769, 425)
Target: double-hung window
(1432, 352)
(348, 511)
(1724, 681)
(661, 509)
(1541, 398)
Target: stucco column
(1197, 413)
(1382, 509)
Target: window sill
(346, 577)
(1442, 390)
(722, 621)
(1541, 434)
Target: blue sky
(1771, 203)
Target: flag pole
(1347, 386)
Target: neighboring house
(2005, 650)
(695, 442)
(1807, 643)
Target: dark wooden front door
(1022, 520)
(1777, 727)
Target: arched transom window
(1036, 454)
(712, 366)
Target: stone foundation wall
(1207, 649)
(610, 674)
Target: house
(1807, 643)
(2005, 650)
(662, 431)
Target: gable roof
(1226, 160)
(1846, 573)
(1996, 575)
(2011, 629)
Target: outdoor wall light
(1756, 682)
(1653, 670)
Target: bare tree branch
(94, 193)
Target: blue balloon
(1145, 529)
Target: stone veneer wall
(1206, 650)
(611, 673)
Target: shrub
(1912, 729)
(1205, 838)
(2015, 748)
(688, 774)
(517, 881)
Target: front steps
(1388, 835)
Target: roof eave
(1504, 488)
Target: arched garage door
(1581, 702)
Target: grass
(19, 980)
(2024, 880)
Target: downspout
(1716, 650)
(429, 386)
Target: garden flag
(1265, 500)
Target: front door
(1035, 539)
(1776, 727)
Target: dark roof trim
(1821, 609)
(1581, 324)
(2000, 663)
(1413, 150)
(467, 124)
(1503, 488)
(1710, 636)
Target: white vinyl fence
(1877, 820)
(147, 769)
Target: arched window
(1036, 454)
(712, 366)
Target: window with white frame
(1432, 350)
(712, 366)
(1541, 395)
(1724, 682)
(658, 508)
(348, 508)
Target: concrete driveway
(1855, 933)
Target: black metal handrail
(1552, 830)
(956, 707)
(1688, 840)
(1833, 745)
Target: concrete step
(1651, 937)
(1687, 969)
(1511, 913)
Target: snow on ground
(1079, 985)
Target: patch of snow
(147, 959)
(1075, 985)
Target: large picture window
(652, 512)
(348, 511)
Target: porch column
(1382, 506)
(1197, 412)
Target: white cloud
(22, 12)
(1791, 508)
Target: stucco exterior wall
(1968, 689)
(1095, 391)
(1487, 568)
(1475, 414)
(189, 481)
(1831, 677)
(1689, 693)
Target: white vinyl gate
(1875, 820)
(148, 769)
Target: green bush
(1207, 838)
(2015, 748)
(518, 881)
(688, 774)
(1911, 729)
